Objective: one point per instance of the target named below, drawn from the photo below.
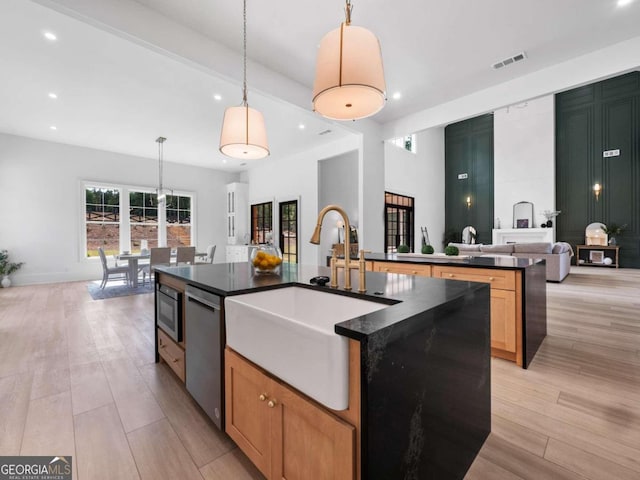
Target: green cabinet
(598, 141)
(469, 176)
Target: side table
(594, 255)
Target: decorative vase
(266, 259)
(6, 281)
(612, 241)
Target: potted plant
(7, 268)
(613, 230)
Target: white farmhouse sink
(290, 333)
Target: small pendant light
(161, 195)
(349, 81)
(243, 132)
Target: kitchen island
(518, 294)
(419, 389)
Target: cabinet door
(309, 442)
(406, 268)
(247, 415)
(505, 279)
(503, 320)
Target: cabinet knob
(175, 360)
(451, 275)
(415, 272)
(262, 397)
(491, 279)
(271, 403)
(386, 269)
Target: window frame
(404, 141)
(101, 186)
(254, 228)
(125, 223)
(282, 203)
(408, 206)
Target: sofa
(556, 255)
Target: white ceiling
(118, 95)
(433, 50)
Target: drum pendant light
(243, 132)
(349, 81)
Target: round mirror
(594, 234)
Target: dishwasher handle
(200, 296)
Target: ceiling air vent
(325, 132)
(508, 61)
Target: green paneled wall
(589, 121)
(469, 150)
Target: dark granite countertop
(502, 262)
(406, 295)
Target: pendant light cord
(244, 48)
(347, 12)
(160, 141)
(160, 153)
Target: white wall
(41, 210)
(420, 175)
(614, 60)
(524, 158)
(337, 185)
(371, 186)
(295, 177)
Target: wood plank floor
(77, 377)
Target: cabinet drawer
(503, 279)
(172, 354)
(405, 268)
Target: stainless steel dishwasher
(204, 352)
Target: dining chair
(211, 251)
(185, 255)
(108, 271)
(158, 256)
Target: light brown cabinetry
(171, 353)
(286, 435)
(504, 279)
(405, 268)
(506, 311)
(506, 300)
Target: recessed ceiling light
(53, 95)
(50, 36)
(301, 126)
(397, 96)
(53, 127)
(217, 97)
(624, 3)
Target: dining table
(133, 259)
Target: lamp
(243, 133)
(349, 82)
(160, 192)
(596, 190)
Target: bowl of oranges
(266, 259)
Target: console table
(585, 255)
